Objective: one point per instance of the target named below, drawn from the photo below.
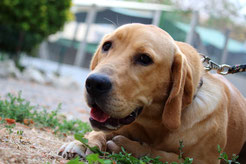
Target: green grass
(126, 158)
(19, 109)
(224, 157)
(121, 158)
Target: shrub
(26, 23)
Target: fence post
(156, 17)
(80, 55)
(224, 53)
(194, 23)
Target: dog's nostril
(100, 86)
(88, 84)
(97, 84)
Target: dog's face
(131, 68)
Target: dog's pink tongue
(99, 115)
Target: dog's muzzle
(101, 121)
(98, 86)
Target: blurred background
(46, 46)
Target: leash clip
(224, 69)
(211, 65)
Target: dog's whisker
(111, 22)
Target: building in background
(79, 39)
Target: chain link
(211, 65)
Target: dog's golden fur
(175, 107)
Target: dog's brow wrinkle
(107, 70)
(123, 35)
(141, 49)
(120, 36)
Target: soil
(38, 146)
(34, 146)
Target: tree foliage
(25, 23)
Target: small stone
(32, 74)
(8, 69)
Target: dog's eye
(143, 59)
(106, 46)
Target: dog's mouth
(102, 121)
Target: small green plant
(126, 158)
(94, 158)
(20, 132)
(147, 159)
(224, 157)
(17, 108)
(10, 127)
(75, 161)
(84, 141)
(122, 157)
(107, 158)
(181, 146)
(187, 160)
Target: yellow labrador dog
(147, 92)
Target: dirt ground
(38, 146)
(34, 146)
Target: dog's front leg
(139, 149)
(76, 148)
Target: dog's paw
(72, 150)
(137, 149)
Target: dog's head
(134, 67)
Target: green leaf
(219, 148)
(234, 157)
(225, 156)
(188, 160)
(95, 149)
(80, 137)
(92, 158)
(75, 161)
(105, 161)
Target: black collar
(198, 87)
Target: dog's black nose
(98, 84)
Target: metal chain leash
(237, 68)
(222, 69)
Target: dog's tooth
(111, 127)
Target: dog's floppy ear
(181, 93)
